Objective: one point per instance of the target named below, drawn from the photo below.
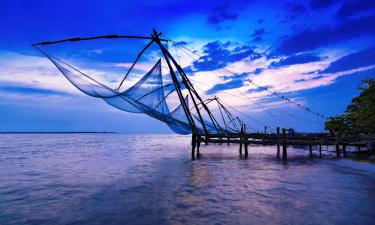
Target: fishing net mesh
(147, 96)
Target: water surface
(150, 179)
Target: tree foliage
(359, 116)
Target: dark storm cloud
(296, 59)
(217, 55)
(351, 8)
(311, 39)
(352, 61)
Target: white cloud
(31, 71)
(39, 72)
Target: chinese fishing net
(147, 96)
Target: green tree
(359, 116)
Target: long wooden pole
(191, 87)
(177, 85)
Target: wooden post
(284, 145)
(370, 144)
(241, 140)
(310, 149)
(198, 144)
(245, 141)
(344, 150)
(320, 150)
(278, 146)
(193, 144)
(337, 147)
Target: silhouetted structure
(149, 96)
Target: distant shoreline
(58, 132)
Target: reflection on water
(150, 179)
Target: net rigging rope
(249, 98)
(147, 96)
(237, 110)
(257, 85)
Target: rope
(247, 97)
(287, 99)
(242, 113)
(265, 88)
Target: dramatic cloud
(235, 83)
(258, 71)
(218, 55)
(352, 61)
(296, 59)
(29, 90)
(258, 34)
(222, 13)
(37, 75)
(311, 39)
(351, 8)
(295, 10)
(321, 4)
(182, 43)
(301, 45)
(235, 76)
(259, 89)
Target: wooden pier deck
(282, 141)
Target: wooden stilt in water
(193, 145)
(337, 147)
(278, 146)
(241, 140)
(310, 150)
(221, 142)
(285, 156)
(198, 144)
(370, 144)
(245, 141)
(320, 150)
(337, 150)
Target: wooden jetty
(283, 140)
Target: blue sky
(314, 52)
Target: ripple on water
(121, 179)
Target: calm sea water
(150, 179)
